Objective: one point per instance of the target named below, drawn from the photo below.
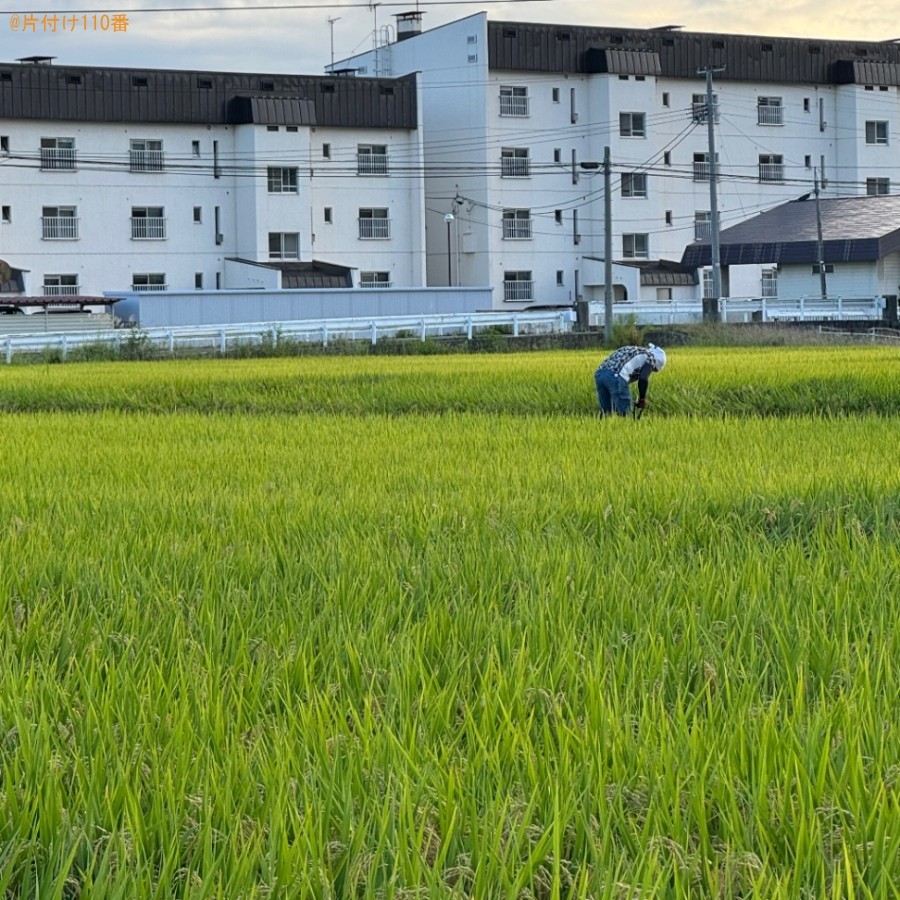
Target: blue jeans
(612, 393)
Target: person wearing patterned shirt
(620, 369)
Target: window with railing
(702, 225)
(59, 223)
(60, 286)
(702, 167)
(513, 100)
(769, 283)
(517, 286)
(284, 245)
(374, 224)
(516, 224)
(769, 111)
(148, 223)
(634, 184)
(58, 153)
(146, 156)
(514, 162)
(149, 281)
(281, 180)
(709, 291)
(771, 167)
(699, 111)
(375, 279)
(635, 246)
(876, 186)
(371, 159)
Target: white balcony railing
(57, 158)
(148, 228)
(59, 290)
(771, 172)
(149, 287)
(514, 166)
(371, 164)
(514, 291)
(376, 284)
(702, 230)
(701, 171)
(374, 228)
(147, 161)
(516, 229)
(513, 106)
(59, 228)
(770, 115)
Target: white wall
(858, 279)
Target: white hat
(657, 357)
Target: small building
(860, 246)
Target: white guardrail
(220, 337)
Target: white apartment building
(115, 179)
(512, 111)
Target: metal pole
(821, 247)
(607, 250)
(448, 218)
(712, 313)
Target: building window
(282, 180)
(635, 246)
(816, 269)
(665, 98)
(517, 286)
(291, 128)
(807, 161)
(557, 155)
(560, 278)
(701, 167)
(771, 167)
(876, 186)
(806, 106)
(514, 162)
(284, 245)
(667, 158)
(876, 132)
(60, 286)
(516, 224)
(151, 281)
(195, 149)
(558, 216)
(7, 214)
(699, 110)
(634, 184)
(702, 225)
(375, 279)
(632, 124)
(371, 159)
(271, 128)
(146, 156)
(769, 111)
(555, 95)
(769, 283)
(708, 285)
(59, 223)
(668, 217)
(328, 219)
(198, 281)
(148, 223)
(58, 153)
(663, 294)
(198, 215)
(374, 224)
(326, 151)
(513, 101)
(4, 143)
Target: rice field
(425, 627)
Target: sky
(295, 36)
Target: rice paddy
(425, 627)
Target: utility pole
(821, 243)
(331, 23)
(607, 250)
(712, 311)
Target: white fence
(220, 338)
(746, 309)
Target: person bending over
(620, 369)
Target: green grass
(404, 644)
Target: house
(517, 117)
(150, 180)
(860, 247)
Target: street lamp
(448, 218)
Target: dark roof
(85, 94)
(854, 229)
(528, 47)
(312, 274)
(662, 272)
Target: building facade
(517, 118)
(115, 179)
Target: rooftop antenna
(331, 24)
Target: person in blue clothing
(619, 370)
